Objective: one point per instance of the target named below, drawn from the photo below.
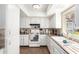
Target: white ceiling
(43, 11)
(30, 11)
(57, 8)
(43, 7)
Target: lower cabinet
(24, 40)
(1, 51)
(43, 40)
(57, 49)
(54, 48)
(21, 40)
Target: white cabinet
(26, 21)
(57, 49)
(21, 40)
(1, 51)
(23, 22)
(52, 21)
(54, 48)
(35, 20)
(43, 40)
(50, 45)
(44, 23)
(24, 40)
(55, 20)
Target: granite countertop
(71, 47)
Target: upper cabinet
(70, 19)
(26, 21)
(55, 20)
(52, 21)
(23, 22)
(44, 22)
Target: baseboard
(43, 46)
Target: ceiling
(43, 7)
(44, 10)
(30, 11)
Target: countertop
(71, 47)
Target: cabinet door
(49, 44)
(1, 51)
(42, 39)
(57, 49)
(21, 40)
(26, 40)
(44, 23)
(23, 22)
(52, 22)
(54, 48)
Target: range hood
(35, 25)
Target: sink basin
(68, 43)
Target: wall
(12, 29)
(2, 16)
(2, 21)
(77, 16)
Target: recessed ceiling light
(36, 6)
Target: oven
(34, 40)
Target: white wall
(2, 15)
(77, 15)
(12, 29)
(2, 21)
